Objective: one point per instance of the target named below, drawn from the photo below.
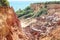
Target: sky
(21, 4)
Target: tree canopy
(4, 3)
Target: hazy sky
(16, 4)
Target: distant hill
(37, 9)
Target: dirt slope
(10, 28)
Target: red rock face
(10, 28)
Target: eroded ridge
(10, 28)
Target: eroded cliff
(10, 28)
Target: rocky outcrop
(10, 28)
(51, 8)
(47, 27)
